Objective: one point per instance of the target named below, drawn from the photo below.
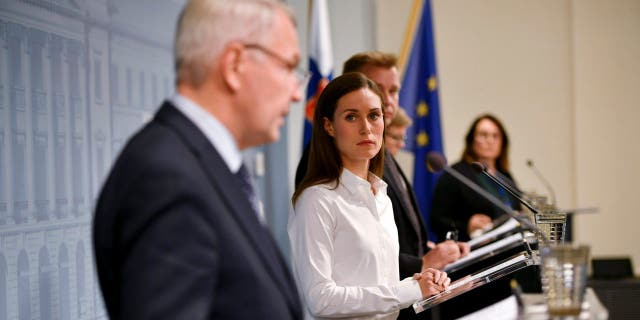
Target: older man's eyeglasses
(302, 76)
(397, 137)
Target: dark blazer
(410, 261)
(175, 237)
(453, 203)
(409, 258)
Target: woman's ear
(328, 126)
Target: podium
(509, 251)
(488, 255)
(472, 281)
(483, 276)
(492, 248)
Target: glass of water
(552, 224)
(564, 278)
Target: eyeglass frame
(397, 138)
(302, 76)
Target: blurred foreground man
(177, 233)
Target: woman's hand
(432, 281)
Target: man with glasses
(177, 234)
(395, 134)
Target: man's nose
(297, 94)
(386, 97)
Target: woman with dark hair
(344, 242)
(455, 207)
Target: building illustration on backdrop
(77, 78)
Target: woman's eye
(374, 116)
(350, 117)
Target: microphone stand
(436, 162)
(544, 181)
(507, 181)
(478, 166)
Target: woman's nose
(365, 126)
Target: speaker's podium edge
(478, 279)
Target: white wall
(561, 74)
(606, 82)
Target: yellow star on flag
(422, 139)
(422, 110)
(432, 83)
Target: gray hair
(206, 27)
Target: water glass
(564, 278)
(552, 224)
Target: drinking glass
(564, 278)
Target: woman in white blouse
(343, 237)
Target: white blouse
(344, 246)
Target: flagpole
(409, 35)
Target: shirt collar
(213, 129)
(355, 184)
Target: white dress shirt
(344, 245)
(213, 129)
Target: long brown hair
(468, 155)
(325, 164)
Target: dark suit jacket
(175, 237)
(410, 261)
(454, 203)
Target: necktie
(247, 187)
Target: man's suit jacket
(176, 238)
(410, 261)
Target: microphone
(506, 180)
(544, 181)
(436, 163)
(481, 167)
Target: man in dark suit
(177, 233)
(412, 233)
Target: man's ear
(231, 66)
(328, 127)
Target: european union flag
(419, 97)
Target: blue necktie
(249, 191)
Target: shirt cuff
(408, 292)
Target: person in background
(176, 230)
(455, 206)
(395, 135)
(344, 242)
